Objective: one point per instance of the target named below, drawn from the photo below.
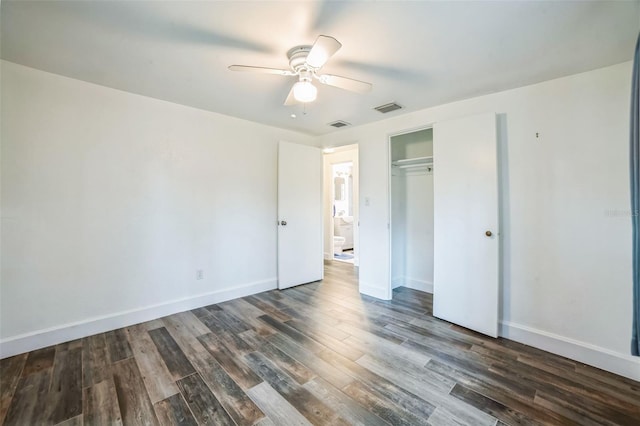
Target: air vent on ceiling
(339, 123)
(388, 107)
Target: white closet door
(466, 241)
(300, 258)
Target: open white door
(300, 258)
(466, 234)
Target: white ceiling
(418, 53)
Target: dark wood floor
(320, 354)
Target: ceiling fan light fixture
(304, 91)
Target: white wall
(414, 144)
(111, 202)
(418, 262)
(398, 200)
(567, 257)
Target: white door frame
(329, 196)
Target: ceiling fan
(305, 63)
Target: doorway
(342, 176)
(341, 204)
(411, 210)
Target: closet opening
(411, 210)
(341, 204)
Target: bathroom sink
(345, 220)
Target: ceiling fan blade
(262, 70)
(345, 83)
(322, 50)
(291, 100)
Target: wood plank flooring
(316, 354)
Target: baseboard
(327, 256)
(375, 291)
(397, 282)
(421, 285)
(64, 333)
(605, 359)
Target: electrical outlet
(199, 274)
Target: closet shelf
(413, 162)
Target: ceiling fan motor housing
(298, 58)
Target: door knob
(488, 233)
(283, 223)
